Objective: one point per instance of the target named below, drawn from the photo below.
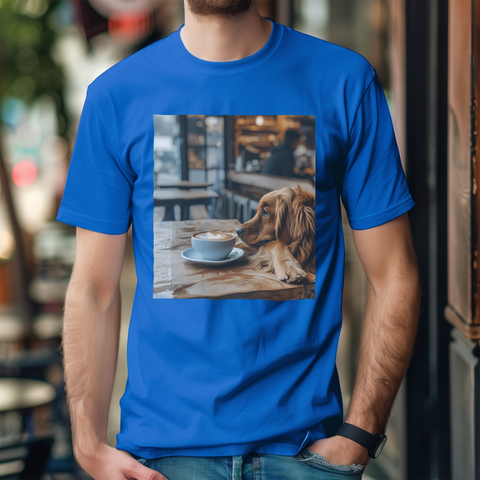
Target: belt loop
(237, 464)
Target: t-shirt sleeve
(374, 188)
(98, 190)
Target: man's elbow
(82, 289)
(401, 282)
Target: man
(281, 160)
(236, 388)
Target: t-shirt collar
(197, 65)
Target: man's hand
(340, 450)
(108, 463)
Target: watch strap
(361, 436)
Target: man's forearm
(386, 345)
(90, 335)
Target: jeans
(305, 465)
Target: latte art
(218, 236)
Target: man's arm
(90, 337)
(388, 333)
(90, 334)
(390, 323)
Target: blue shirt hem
(380, 218)
(96, 225)
(224, 450)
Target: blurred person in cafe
(282, 160)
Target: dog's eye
(264, 212)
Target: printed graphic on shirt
(234, 206)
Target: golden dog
(280, 238)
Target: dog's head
(285, 215)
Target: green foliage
(28, 31)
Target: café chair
(241, 207)
(25, 460)
(252, 209)
(220, 206)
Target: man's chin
(219, 7)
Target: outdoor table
(48, 326)
(22, 393)
(169, 197)
(176, 277)
(19, 399)
(14, 356)
(12, 328)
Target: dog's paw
(292, 272)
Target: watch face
(380, 446)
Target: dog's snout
(240, 231)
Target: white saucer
(194, 256)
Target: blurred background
(426, 54)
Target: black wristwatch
(373, 443)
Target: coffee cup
(213, 245)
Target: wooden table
(184, 184)
(169, 197)
(176, 277)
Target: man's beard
(219, 8)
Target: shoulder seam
(359, 103)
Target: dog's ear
(302, 225)
(283, 208)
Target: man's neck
(225, 39)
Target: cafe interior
(218, 168)
(211, 166)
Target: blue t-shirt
(227, 377)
